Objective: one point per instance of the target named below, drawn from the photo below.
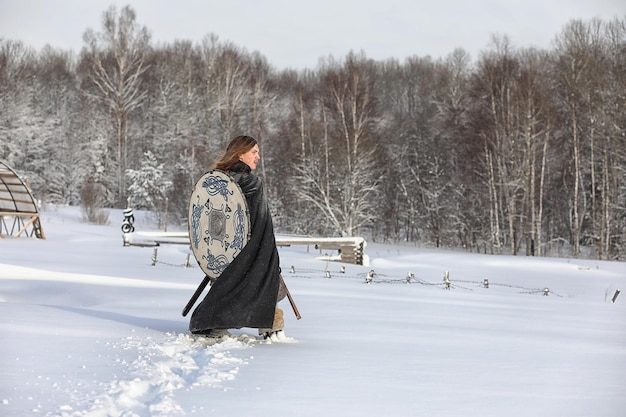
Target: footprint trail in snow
(160, 370)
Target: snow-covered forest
(518, 150)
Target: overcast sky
(295, 33)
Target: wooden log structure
(350, 249)
(27, 224)
(18, 211)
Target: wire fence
(378, 278)
(447, 283)
(373, 277)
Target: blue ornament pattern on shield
(195, 222)
(215, 264)
(215, 185)
(237, 242)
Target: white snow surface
(91, 328)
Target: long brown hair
(238, 146)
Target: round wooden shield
(219, 224)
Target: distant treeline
(518, 151)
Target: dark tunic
(246, 293)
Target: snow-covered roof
(15, 196)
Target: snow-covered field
(91, 328)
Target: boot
(277, 326)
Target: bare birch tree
(577, 53)
(344, 188)
(117, 58)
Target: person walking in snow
(247, 292)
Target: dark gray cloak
(246, 293)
